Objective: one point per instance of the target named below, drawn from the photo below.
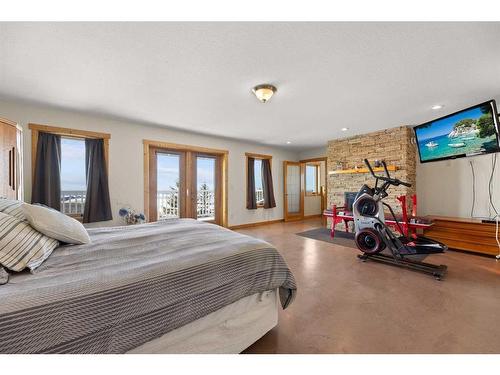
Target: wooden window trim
(67, 133)
(256, 156)
(222, 178)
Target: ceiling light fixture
(288, 142)
(264, 92)
(344, 129)
(437, 106)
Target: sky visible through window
(73, 165)
(257, 167)
(311, 178)
(169, 172)
(205, 172)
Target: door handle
(13, 168)
(10, 167)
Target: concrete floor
(346, 306)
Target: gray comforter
(133, 284)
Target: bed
(177, 286)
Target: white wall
(445, 187)
(126, 157)
(317, 152)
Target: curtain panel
(46, 187)
(267, 184)
(97, 201)
(251, 197)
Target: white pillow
(56, 225)
(22, 246)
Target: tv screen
(472, 131)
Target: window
(262, 181)
(73, 178)
(259, 191)
(312, 179)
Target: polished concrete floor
(346, 306)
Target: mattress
(133, 284)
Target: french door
(185, 184)
(294, 190)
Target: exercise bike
(372, 235)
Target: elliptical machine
(373, 235)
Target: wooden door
(293, 173)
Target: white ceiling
(198, 76)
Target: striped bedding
(12, 207)
(22, 246)
(133, 284)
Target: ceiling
(198, 76)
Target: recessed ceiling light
(437, 106)
(288, 142)
(344, 129)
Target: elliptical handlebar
(370, 167)
(385, 169)
(389, 179)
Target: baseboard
(312, 216)
(259, 223)
(250, 225)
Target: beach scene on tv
(468, 132)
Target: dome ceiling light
(264, 92)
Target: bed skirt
(228, 330)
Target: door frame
(300, 215)
(324, 195)
(221, 174)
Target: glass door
(293, 189)
(168, 185)
(206, 187)
(185, 184)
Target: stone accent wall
(392, 145)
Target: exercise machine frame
(390, 241)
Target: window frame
(260, 157)
(317, 166)
(66, 133)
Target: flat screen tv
(472, 131)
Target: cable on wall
(473, 189)
(497, 216)
(491, 205)
(490, 183)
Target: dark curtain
(46, 187)
(267, 184)
(251, 198)
(97, 203)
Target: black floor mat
(323, 234)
